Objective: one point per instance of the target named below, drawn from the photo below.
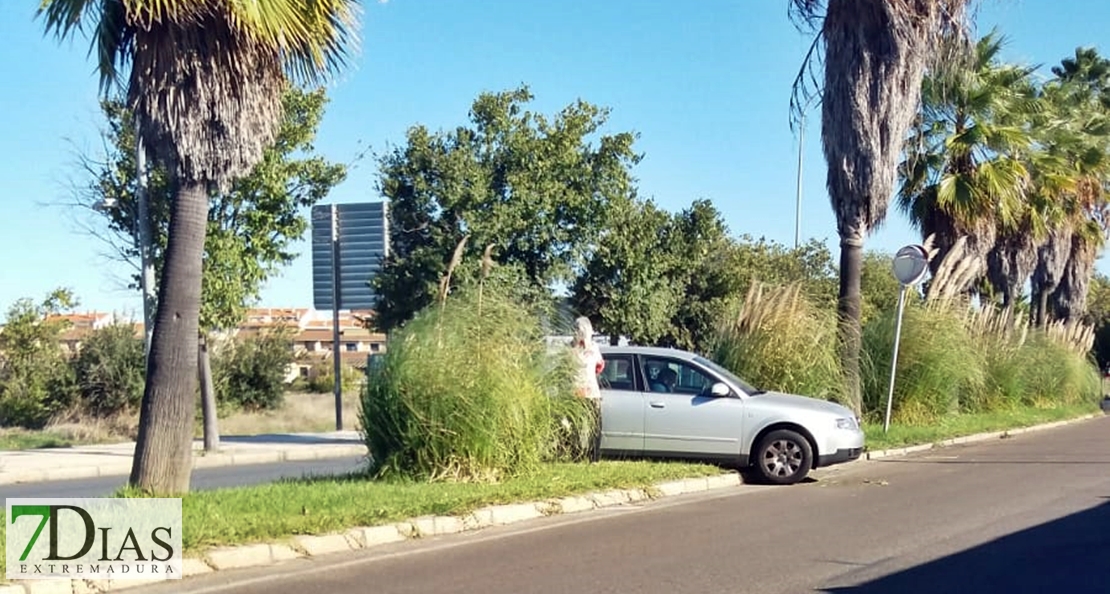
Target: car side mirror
(720, 390)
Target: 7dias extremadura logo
(116, 539)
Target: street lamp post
(801, 149)
(142, 221)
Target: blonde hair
(583, 330)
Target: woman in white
(590, 365)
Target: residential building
(80, 325)
(311, 336)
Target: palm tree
(205, 81)
(1089, 69)
(1013, 259)
(1080, 138)
(875, 53)
(963, 175)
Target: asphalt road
(203, 479)
(1024, 514)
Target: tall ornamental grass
(954, 357)
(776, 339)
(941, 368)
(468, 391)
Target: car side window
(619, 374)
(676, 377)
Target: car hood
(803, 403)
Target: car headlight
(847, 423)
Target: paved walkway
(54, 464)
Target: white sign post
(910, 265)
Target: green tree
(878, 286)
(252, 372)
(225, 66)
(875, 53)
(251, 228)
(810, 265)
(708, 273)
(627, 286)
(35, 380)
(109, 370)
(534, 187)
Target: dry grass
(302, 413)
(81, 428)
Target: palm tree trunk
(1068, 302)
(1052, 261)
(1010, 264)
(848, 310)
(163, 453)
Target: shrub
(250, 374)
(778, 340)
(323, 379)
(109, 371)
(30, 398)
(467, 390)
(35, 381)
(940, 366)
(878, 286)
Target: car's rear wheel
(783, 457)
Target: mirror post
(894, 357)
(910, 265)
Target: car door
(682, 417)
(622, 406)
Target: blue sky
(706, 85)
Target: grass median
(953, 426)
(322, 505)
(319, 505)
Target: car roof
(648, 351)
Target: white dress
(590, 364)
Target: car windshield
(743, 385)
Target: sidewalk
(56, 464)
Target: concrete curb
(977, 437)
(201, 460)
(360, 538)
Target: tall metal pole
(894, 358)
(337, 370)
(798, 204)
(146, 279)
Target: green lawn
(21, 439)
(968, 424)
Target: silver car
(675, 404)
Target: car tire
(783, 457)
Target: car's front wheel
(783, 457)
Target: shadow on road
(1071, 554)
